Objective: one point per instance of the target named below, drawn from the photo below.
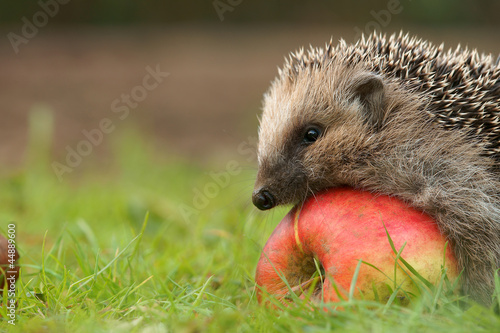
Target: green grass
(111, 251)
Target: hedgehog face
(310, 130)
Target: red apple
(339, 227)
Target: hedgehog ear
(370, 90)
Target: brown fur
(377, 135)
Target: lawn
(132, 246)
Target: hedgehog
(398, 116)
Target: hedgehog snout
(263, 199)
(279, 182)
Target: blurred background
(79, 60)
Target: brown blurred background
(221, 56)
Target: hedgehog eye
(312, 134)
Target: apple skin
(341, 226)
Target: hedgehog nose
(263, 199)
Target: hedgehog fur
(463, 86)
(399, 116)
